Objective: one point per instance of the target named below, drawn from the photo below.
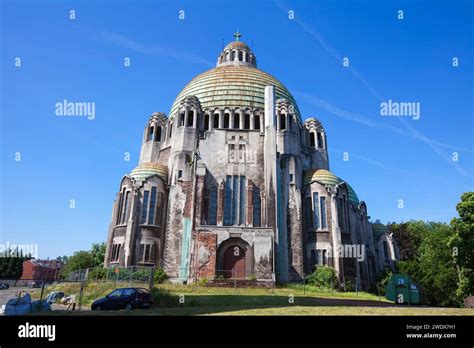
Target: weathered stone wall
(206, 253)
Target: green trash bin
(401, 289)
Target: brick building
(47, 270)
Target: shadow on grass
(167, 304)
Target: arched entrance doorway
(235, 259)
(234, 262)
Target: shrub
(160, 276)
(163, 298)
(348, 286)
(97, 273)
(323, 276)
(382, 281)
(252, 277)
(203, 281)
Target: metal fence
(81, 288)
(116, 274)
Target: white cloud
(153, 49)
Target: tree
(80, 260)
(408, 240)
(11, 264)
(432, 264)
(84, 259)
(462, 244)
(98, 254)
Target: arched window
(256, 207)
(190, 118)
(226, 120)
(158, 134)
(146, 197)
(247, 121)
(241, 57)
(125, 210)
(216, 121)
(181, 119)
(150, 133)
(206, 122)
(233, 55)
(236, 121)
(282, 122)
(320, 141)
(120, 207)
(171, 130)
(257, 122)
(312, 140)
(151, 212)
(227, 56)
(213, 205)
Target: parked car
(4, 286)
(54, 297)
(125, 298)
(37, 284)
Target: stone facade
(234, 184)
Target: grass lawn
(171, 299)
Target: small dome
(379, 229)
(191, 101)
(313, 123)
(237, 44)
(145, 170)
(158, 117)
(325, 177)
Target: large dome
(238, 85)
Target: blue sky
(390, 158)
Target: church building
(235, 183)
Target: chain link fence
(81, 288)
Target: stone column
(129, 243)
(110, 236)
(186, 115)
(210, 121)
(195, 118)
(231, 119)
(220, 204)
(250, 187)
(336, 233)
(200, 198)
(271, 173)
(221, 119)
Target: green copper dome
(233, 86)
(145, 170)
(379, 229)
(325, 177)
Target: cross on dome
(237, 35)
